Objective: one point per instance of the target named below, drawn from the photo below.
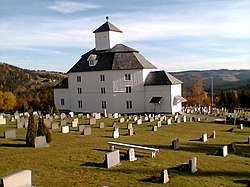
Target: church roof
(160, 78)
(107, 26)
(120, 57)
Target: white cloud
(71, 6)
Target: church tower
(107, 36)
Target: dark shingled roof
(160, 78)
(120, 57)
(63, 84)
(107, 26)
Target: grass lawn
(76, 160)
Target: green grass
(76, 160)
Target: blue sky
(175, 35)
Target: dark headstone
(232, 147)
(175, 144)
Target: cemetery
(85, 152)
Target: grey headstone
(55, 125)
(129, 125)
(19, 124)
(191, 119)
(184, 118)
(63, 122)
(26, 122)
(169, 121)
(151, 119)
(204, 137)
(164, 176)
(86, 131)
(17, 179)
(178, 119)
(248, 139)
(112, 159)
(232, 147)
(154, 128)
(176, 144)
(131, 155)
(110, 115)
(224, 151)
(101, 125)
(40, 141)
(65, 129)
(213, 134)
(158, 123)
(92, 121)
(130, 132)
(139, 121)
(81, 128)
(10, 133)
(47, 122)
(193, 164)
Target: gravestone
(131, 155)
(17, 179)
(193, 164)
(87, 116)
(98, 116)
(63, 116)
(129, 125)
(232, 147)
(110, 115)
(65, 129)
(112, 159)
(198, 119)
(213, 134)
(204, 137)
(115, 133)
(224, 151)
(47, 122)
(146, 118)
(114, 125)
(176, 144)
(74, 123)
(101, 125)
(191, 119)
(130, 131)
(151, 119)
(86, 131)
(241, 126)
(184, 118)
(47, 116)
(169, 121)
(2, 119)
(63, 122)
(10, 133)
(92, 121)
(121, 120)
(164, 176)
(26, 122)
(81, 128)
(19, 124)
(154, 128)
(116, 115)
(248, 139)
(55, 125)
(40, 141)
(158, 123)
(178, 120)
(139, 122)
(71, 114)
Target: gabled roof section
(63, 84)
(155, 78)
(107, 26)
(120, 57)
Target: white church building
(118, 78)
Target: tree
(7, 101)
(43, 130)
(31, 131)
(198, 96)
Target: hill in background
(22, 81)
(18, 80)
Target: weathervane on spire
(107, 18)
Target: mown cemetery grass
(77, 160)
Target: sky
(175, 35)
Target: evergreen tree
(31, 131)
(43, 130)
